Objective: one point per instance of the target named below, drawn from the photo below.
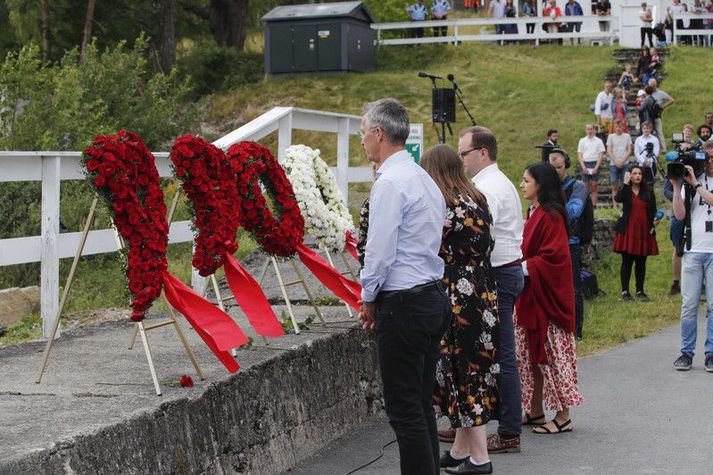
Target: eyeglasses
(363, 134)
(466, 152)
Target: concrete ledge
(263, 420)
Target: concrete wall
(261, 421)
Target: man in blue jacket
(576, 195)
(573, 8)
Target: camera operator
(697, 261)
(646, 151)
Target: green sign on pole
(414, 143)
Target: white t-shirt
(618, 144)
(643, 14)
(701, 241)
(603, 105)
(498, 8)
(590, 148)
(506, 209)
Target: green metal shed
(324, 37)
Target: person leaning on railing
(417, 12)
(529, 10)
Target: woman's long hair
(549, 192)
(444, 165)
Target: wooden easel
(139, 327)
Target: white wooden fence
(699, 35)
(590, 30)
(53, 167)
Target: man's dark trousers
(575, 251)
(409, 327)
(509, 281)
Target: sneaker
(684, 362)
(675, 289)
(501, 445)
(709, 363)
(642, 297)
(626, 296)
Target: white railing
(702, 33)
(590, 30)
(53, 167)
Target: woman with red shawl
(544, 325)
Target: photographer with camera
(694, 204)
(646, 151)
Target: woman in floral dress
(466, 388)
(544, 323)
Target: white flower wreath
(323, 208)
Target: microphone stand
(462, 103)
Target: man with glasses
(478, 148)
(403, 295)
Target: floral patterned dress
(466, 371)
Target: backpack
(656, 110)
(590, 286)
(585, 222)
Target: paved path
(639, 416)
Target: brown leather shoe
(447, 436)
(499, 445)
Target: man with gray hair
(403, 295)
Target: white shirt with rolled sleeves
(406, 215)
(506, 209)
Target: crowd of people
(439, 10)
(477, 311)
(662, 31)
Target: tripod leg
(149, 357)
(307, 291)
(67, 286)
(285, 296)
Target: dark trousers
(575, 252)
(627, 262)
(509, 281)
(409, 328)
(646, 31)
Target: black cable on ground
(374, 460)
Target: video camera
(678, 159)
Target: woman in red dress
(544, 330)
(635, 234)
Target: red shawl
(548, 294)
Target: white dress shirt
(506, 208)
(406, 215)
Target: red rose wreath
(209, 178)
(123, 172)
(281, 232)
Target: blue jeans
(409, 328)
(509, 281)
(695, 268)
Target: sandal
(534, 421)
(566, 426)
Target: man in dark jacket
(577, 196)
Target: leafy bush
(211, 68)
(63, 106)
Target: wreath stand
(139, 327)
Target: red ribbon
(214, 326)
(351, 245)
(345, 289)
(251, 298)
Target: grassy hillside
(519, 91)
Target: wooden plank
(29, 249)
(49, 247)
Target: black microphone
(423, 74)
(452, 79)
